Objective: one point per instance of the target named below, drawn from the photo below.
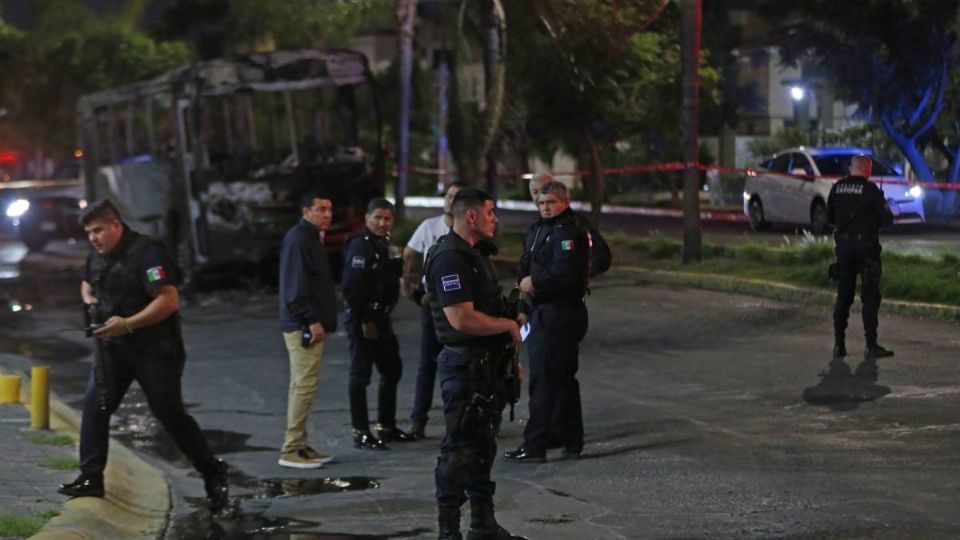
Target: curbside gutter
(138, 497)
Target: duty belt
(471, 351)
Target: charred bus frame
(213, 156)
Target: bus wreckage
(213, 157)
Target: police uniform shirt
(857, 206)
(454, 280)
(559, 259)
(154, 268)
(370, 283)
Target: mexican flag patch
(155, 274)
(566, 245)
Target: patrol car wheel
(818, 217)
(755, 215)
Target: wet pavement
(708, 415)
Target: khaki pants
(304, 379)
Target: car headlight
(916, 192)
(746, 196)
(18, 208)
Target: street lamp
(797, 93)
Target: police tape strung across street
(679, 166)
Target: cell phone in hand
(305, 337)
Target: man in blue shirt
(308, 313)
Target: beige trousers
(304, 379)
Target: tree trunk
(406, 11)
(596, 176)
(691, 12)
(491, 55)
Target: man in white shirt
(414, 253)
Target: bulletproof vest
(853, 203)
(489, 299)
(119, 290)
(385, 272)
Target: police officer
(132, 281)
(371, 288)
(554, 272)
(600, 255)
(857, 209)
(469, 315)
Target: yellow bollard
(39, 397)
(9, 389)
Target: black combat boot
(215, 484)
(483, 525)
(449, 522)
(84, 486)
(839, 346)
(875, 350)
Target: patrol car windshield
(839, 165)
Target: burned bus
(213, 156)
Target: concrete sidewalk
(137, 498)
(29, 487)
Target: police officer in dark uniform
(554, 273)
(132, 282)
(857, 209)
(371, 288)
(469, 314)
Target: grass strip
(52, 439)
(61, 463)
(911, 278)
(24, 526)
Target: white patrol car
(792, 187)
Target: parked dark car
(46, 210)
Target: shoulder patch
(451, 282)
(156, 274)
(566, 245)
(358, 262)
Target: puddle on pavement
(200, 526)
(273, 488)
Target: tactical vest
(489, 299)
(117, 284)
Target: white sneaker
(299, 460)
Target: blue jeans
(427, 371)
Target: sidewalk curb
(775, 290)
(138, 497)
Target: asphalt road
(708, 415)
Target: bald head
(861, 166)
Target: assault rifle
(511, 372)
